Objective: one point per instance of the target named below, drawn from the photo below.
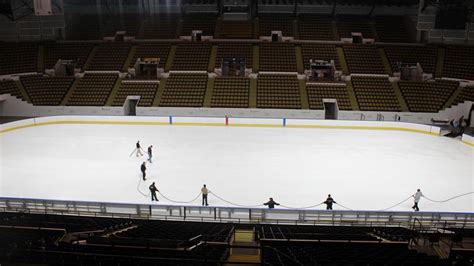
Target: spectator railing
(237, 215)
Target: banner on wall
(43, 7)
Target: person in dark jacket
(150, 152)
(329, 201)
(143, 169)
(138, 149)
(271, 203)
(153, 191)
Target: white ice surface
(362, 169)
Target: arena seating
(160, 26)
(66, 51)
(235, 50)
(46, 90)
(363, 59)
(427, 96)
(319, 52)
(10, 87)
(231, 92)
(392, 29)
(153, 50)
(93, 89)
(394, 233)
(311, 27)
(278, 91)
(184, 90)
(315, 232)
(348, 24)
(205, 22)
(318, 92)
(459, 62)
(425, 55)
(281, 22)
(375, 94)
(191, 56)
(110, 56)
(278, 57)
(466, 94)
(236, 29)
(19, 57)
(146, 91)
(344, 254)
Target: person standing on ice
(271, 203)
(204, 192)
(417, 197)
(143, 169)
(153, 191)
(150, 153)
(329, 201)
(139, 149)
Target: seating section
(314, 51)
(427, 96)
(315, 232)
(204, 22)
(236, 29)
(348, 24)
(425, 55)
(46, 90)
(235, 50)
(153, 50)
(184, 90)
(145, 90)
(363, 59)
(278, 91)
(93, 89)
(394, 233)
(313, 27)
(110, 56)
(162, 26)
(231, 92)
(375, 94)
(100, 241)
(191, 56)
(19, 57)
(459, 62)
(9, 87)
(466, 94)
(318, 92)
(279, 57)
(272, 22)
(66, 51)
(392, 29)
(344, 254)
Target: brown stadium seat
(318, 92)
(184, 90)
(271, 22)
(66, 51)
(231, 92)
(234, 50)
(192, 56)
(278, 57)
(278, 91)
(93, 89)
(459, 62)
(46, 90)
(363, 59)
(375, 94)
(466, 94)
(425, 55)
(10, 87)
(427, 96)
(19, 57)
(314, 27)
(110, 56)
(146, 91)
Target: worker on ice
(153, 191)
(329, 201)
(150, 153)
(204, 192)
(143, 169)
(139, 149)
(271, 203)
(417, 196)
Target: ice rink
(298, 167)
